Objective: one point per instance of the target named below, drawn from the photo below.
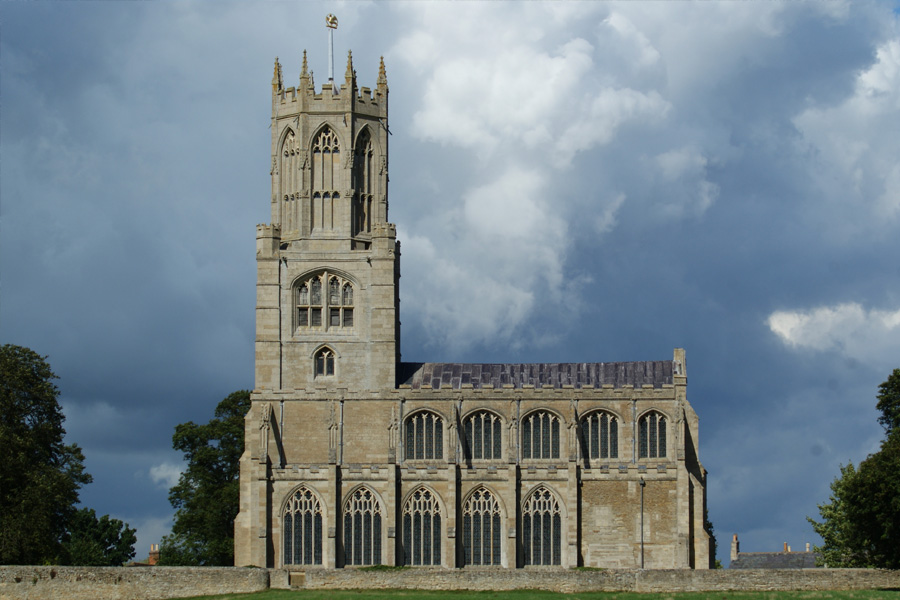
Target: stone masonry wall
(157, 583)
(126, 583)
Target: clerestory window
(424, 436)
(600, 436)
(482, 432)
(324, 301)
(540, 435)
(652, 436)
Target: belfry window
(362, 529)
(289, 178)
(652, 436)
(303, 529)
(482, 431)
(422, 529)
(540, 435)
(600, 436)
(326, 167)
(541, 528)
(481, 529)
(325, 362)
(424, 436)
(317, 308)
(363, 184)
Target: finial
(277, 82)
(382, 75)
(303, 72)
(349, 75)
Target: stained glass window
(424, 436)
(362, 529)
(481, 529)
(600, 436)
(652, 436)
(540, 435)
(482, 431)
(541, 528)
(422, 529)
(302, 521)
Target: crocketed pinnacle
(349, 74)
(382, 75)
(277, 83)
(303, 71)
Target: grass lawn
(539, 595)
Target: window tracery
(540, 435)
(424, 436)
(325, 362)
(326, 164)
(362, 529)
(652, 435)
(313, 311)
(482, 432)
(600, 436)
(481, 529)
(302, 518)
(422, 529)
(541, 528)
(363, 184)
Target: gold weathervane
(331, 21)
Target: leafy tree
(861, 524)
(39, 475)
(95, 542)
(207, 494)
(889, 403)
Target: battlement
(268, 231)
(331, 97)
(384, 230)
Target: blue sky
(570, 182)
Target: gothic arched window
(483, 438)
(600, 436)
(302, 519)
(289, 176)
(424, 436)
(325, 362)
(422, 529)
(336, 304)
(363, 184)
(652, 435)
(362, 529)
(481, 529)
(540, 435)
(326, 164)
(541, 528)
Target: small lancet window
(325, 362)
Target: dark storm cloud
(654, 175)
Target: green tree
(889, 403)
(39, 475)
(95, 542)
(860, 525)
(207, 493)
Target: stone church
(354, 457)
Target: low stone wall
(612, 580)
(158, 583)
(126, 583)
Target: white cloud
(872, 336)
(166, 474)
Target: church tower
(329, 264)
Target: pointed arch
(363, 516)
(482, 535)
(421, 518)
(325, 153)
(599, 435)
(303, 517)
(542, 527)
(540, 431)
(652, 434)
(290, 176)
(482, 435)
(424, 435)
(364, 182)
(323, 300)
